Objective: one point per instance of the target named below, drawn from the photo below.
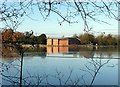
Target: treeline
(101, 39)
(41, 39)
(9, 36)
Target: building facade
(63, 41)
(49, 41)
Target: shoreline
(28, 45)
(40, 45)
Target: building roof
(66, 38)
(63, 38)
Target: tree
(7, 35)
(99, 39)
(87, 38)
(16, 36)
(42, 39)
(102, 39)
(106, 39)
(13, 13)
(118, 40)
(110, 39)
(28, 34)
(33, 40)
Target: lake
(61, 66)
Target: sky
(51, 28)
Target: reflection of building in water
(63, 41)
(57, 49)
(49, 50)
(84, 52)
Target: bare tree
(12, 13)
(92, 68)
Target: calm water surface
(63, 66)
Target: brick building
(63, 41)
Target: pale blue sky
(51, 27)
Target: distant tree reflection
(91, 69)
(83, 51)
(9, 51)
(87, 52)
(42, 52)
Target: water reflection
(61, 71)
(86, 52)
(57, 50)
(65, 72)
(9, 51)
(33, 51)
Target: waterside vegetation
(86, 39)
